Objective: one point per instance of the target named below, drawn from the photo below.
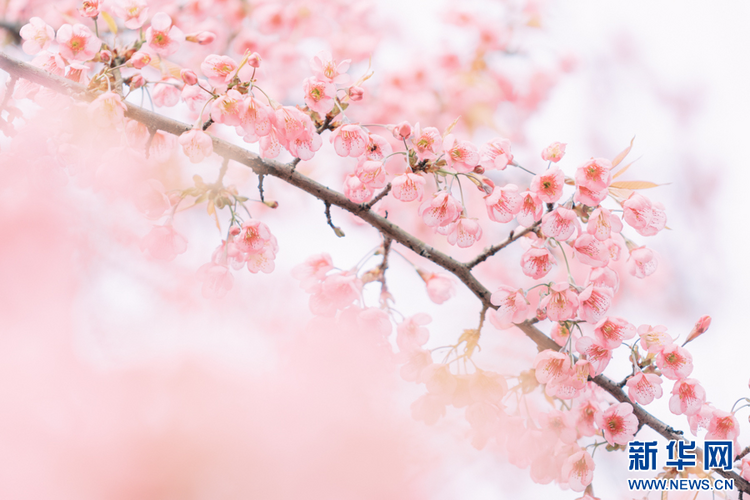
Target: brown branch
(496, 248)
(380, 196)
(331, 197)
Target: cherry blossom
(578, 470)
(427, 143)
(723, 425)
(560, 224)
(312, 270)
(591, 251)
(163, 36)
(512, 307)
(551, 365)
(253, 237)
(439, 286)
(531, 210)
(325, 68)
(674, 362)
(618, 423)
(408, 187)
(642, 262)
(133, 12)
(217, 280)
(196, 144)
(108, 110)
(319, 95)
(655, 338)
(37, 36)
(688, 396)
(643, 216)
(77, 42)
(598, 355)
(495, 155)
(595, 302)
(411, 333)
(441, 210)
(554, 152)
(643, 388)
(163, 243)
(561, 303)
(537, 262)
(595, 174)
(350, 140)
(463, 232)
(612, 330)
(504, 203)
(219, 69)
(602, 223)
(549, 185)
(461, 156)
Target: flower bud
(140, 60)
(105, 56)
(188, 76)
(402, 130)
(699, 329)
(201, 38)
(479, 169)
(254, 60)
(234, 231)
(137, 81)
(356, 93)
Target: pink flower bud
(201, 38)
(105, 56)
(254, 60)
(479, 169)
(140, 60)
(356, 93)
(137, 81)
(234, 231)
(699, 329)
(402, 130)
(188, 76)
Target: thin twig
(260, 187)
(380, 196)
(496, 248)
(336, 229)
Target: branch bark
(287, 173)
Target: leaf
(623, 154)
(634, 185)
(211, 208)
(623, 169)
(620, 194)
(110, 22)
(450, 127)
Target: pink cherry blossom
(37, 36)
(350, 140)
(188, 76)
(108, 110)
(701, 326)
(554, 152)
(411, 333)
(325, 68)
(77, 42)
(439, 286)
(151, 200)
(643, 216)
(561, 303)
(537, 262)
(133, 12)
(612, 330)
(504, 203)
(605, 277)
(319, 95)
(642, 262)
(745, 468)
(595, 174)
(688, 396)
(557, 424)
(551, 365)
(402, 131)
(253, 237)
(578, 470)
(427, 143)
(486, 386)
(571, 386)
(219, 69)
(256, 119)
(372, 173)
(441, 210)
(531, 210)
(495, 155)
(227, 108)
(618, 423)
(162, 36)
(723, 426)
(591, 251)
(356, 190)
(602, 223)
(587, 410)
(217, 280)
(337, 291)
(595, 303)
(89, 8)
(312, 270)
(378, 148)
(263, 261)
(196, 144)
(438, 379)
(512, 307)
(674, 362)
(356, 93)
(560, 224)
(140, 60)
(643, 388)
(701, 419)
(549, 185)
(163, 243)
(461, 156)
(464, 232)
(589, 197)
(655, 338)
(166, 94)
(595, 352)
(408, 187)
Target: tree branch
(496, 248)
(330, 197)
